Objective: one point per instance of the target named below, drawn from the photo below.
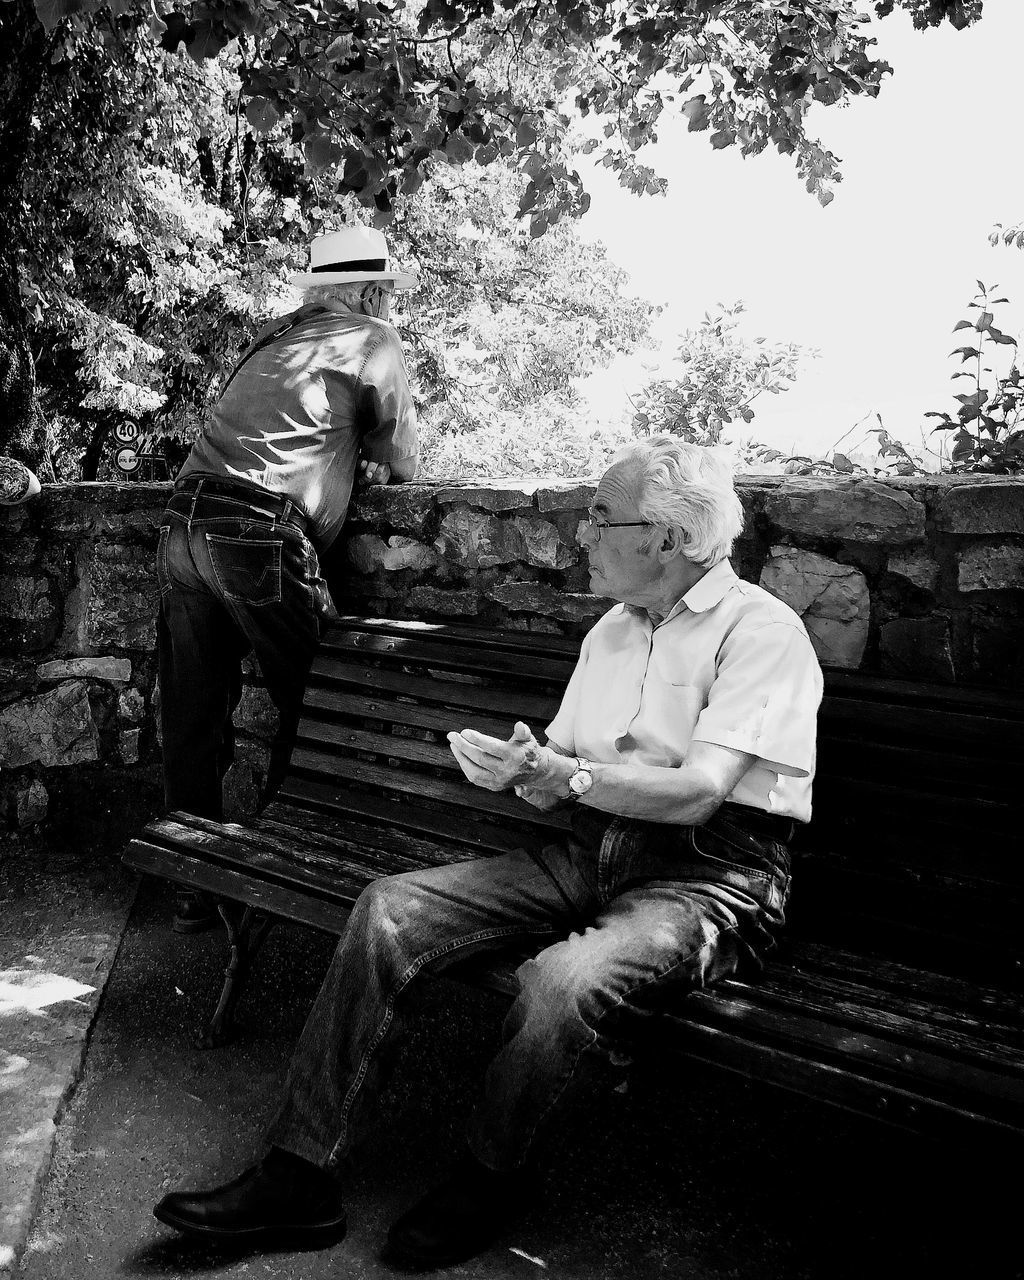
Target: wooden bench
(897, 989)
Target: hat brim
(400, 279)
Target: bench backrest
(913, 850)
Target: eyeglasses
(598, 526)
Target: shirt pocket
(247, 570)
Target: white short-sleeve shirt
(730, 665)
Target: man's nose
(586, 534)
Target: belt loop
(286, 511)
(195, 497)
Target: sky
(876, 280)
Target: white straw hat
(351, 256)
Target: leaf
(1003, 339)
(261, 114)
(317, 148)
(963, 324)
(842, 463)
(696, 113)
(526, 134)
(723, 138)
(966, 352)
(50, 12)
(207, 41)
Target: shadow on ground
(687, 1173)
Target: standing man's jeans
(636, 912)
(236, 574)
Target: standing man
(320, 395)
(685, 744)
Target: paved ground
(61, 919)
(685, 1174)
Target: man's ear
(672, 543)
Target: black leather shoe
(460, 1218)
(194, 911)
(264, 1205)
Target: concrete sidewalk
(685, 1174)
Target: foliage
(144, 277)
(550, 439)
(155, 257)
(723, 373)
(988, 428)
(502, 321)
(380, 92)
(1008, 235)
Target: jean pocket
(247, 569)
(733, 850)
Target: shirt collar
(708, 591)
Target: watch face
(581, 781)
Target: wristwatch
(581, 779)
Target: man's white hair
(350, 294)
(689, 488)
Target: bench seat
(896, 991)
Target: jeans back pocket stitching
(213, 539)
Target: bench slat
(329, 767)
(428, 688)
(449, 655)
(345, 805)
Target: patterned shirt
(316, 391)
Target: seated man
(685, 744)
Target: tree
(154, 257)
(723, 373)
(379, 93)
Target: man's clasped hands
(536, 773)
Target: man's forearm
(682, 795)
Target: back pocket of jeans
(248, 570)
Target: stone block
(849, 510)
(131, 706)
(991, 566)
(55, 729)
(367, 552)
(918, 649)
(570, 495)
(539, 598)
(542, 543)
(831, 598)
(244, 782)
(477, 540)
(994, 506)
(31, 803)
(114, 670)
(494, 496)
(405, 506)
(256, 713)
(128, 745)
(916, 567)
(450, 604)
(29, 612)
(472, 539)
(997, 652)
(114, 603)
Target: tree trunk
(23, 58)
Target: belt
(275, 505)
(758, 821)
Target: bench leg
(246, 930)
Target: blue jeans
(236, 575)
(632, 914)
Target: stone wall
(921, 579)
